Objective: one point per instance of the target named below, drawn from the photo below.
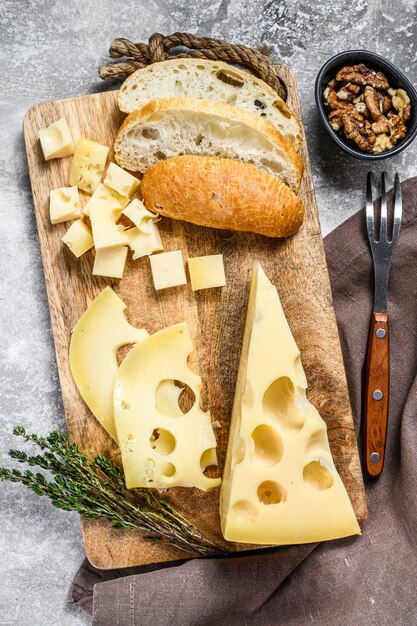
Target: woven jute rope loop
(161, 48)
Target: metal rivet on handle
(374, 457)
(377, 395)
(380, 333)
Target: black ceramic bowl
(396, 79)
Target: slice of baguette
(209, 80)
(222, 193)
(175, 126)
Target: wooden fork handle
(376, 398)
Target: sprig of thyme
(96, 488)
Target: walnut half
(358, 129)
(362, 75)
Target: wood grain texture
(377, 379)
(216, 318)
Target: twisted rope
(160, 48)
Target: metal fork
(378, 365)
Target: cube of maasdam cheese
(104, 211)
(110, 262)
(56, 140)
(280, 485)
(144, 243)
(105, 195)
(139, 215)
(78, 238)
(64, 204)
(206, 272)
(120, 180)
(88, 164)
(168, 269)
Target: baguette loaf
(222, 193)
(175, 126)
(210, 80)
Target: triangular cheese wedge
(160, 445)
(280, 485)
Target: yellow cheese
(64, 204)
(280, 485)
(104, 195)
(110, 262)
(144, 238)
(78, 238)
(88, 164)
(105, 209)
(168, 269)
(206, 272)
(120, 180)
(95, 340)
(56, 140)
(161, 447)
(139, 215)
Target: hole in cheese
(317, 476)
(168, 470)
(317, 442)
(268, 446)
(270, 492)
(174, 398)
(208, 458)
(239, 451)
(162, 441)
(279, 403)
(244, 511)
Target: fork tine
(398, 208)
(369, 208)
(383, 224)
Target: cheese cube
(78, 238)
(144, 243)
(120, 180)
(110, 262)
(168, 269)
(104, 210)
(206, 272)
(64, 204)
(56, 140)
(88, 165)
(139, 214)
(105, 195)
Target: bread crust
(222, 193)
(215, 108)
(170, 64)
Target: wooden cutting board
(216, 318)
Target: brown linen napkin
(369, 580)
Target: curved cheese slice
(280, 485)
(95, 340)
(162, 447)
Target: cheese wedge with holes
(95, 340)
(280, 485)
(162, 447)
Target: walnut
(406, 112)
(360, 107)
(398, 128)
(374, 101)
(400, 101)
(336, 103)
(348, 92)
(386, 104)
(358, 129)
(382, 143)
(335, 119)
(362, 75)
(381, 126)
(332, 84)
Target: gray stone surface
(51, 49)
